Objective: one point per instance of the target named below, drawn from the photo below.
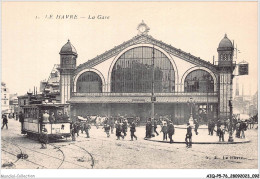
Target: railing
(226, 63)
(142, 94)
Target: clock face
(142, 28)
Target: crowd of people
(109, 125)
(121, 124)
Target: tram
(57, 122)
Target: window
(89, 82)
(133, 72)
(199, 81)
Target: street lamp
(191, 103)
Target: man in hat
(148, 129)
(124, 127)
(133, 130)
(170, 131)
(155, 126)
(119, 130)
(243, 128)
(44, 138)
(107, 129)
(196, 122)
(112, 124)
(87, 127)
(21, 119)
(164, 130)
(73, 131)
(221, 133)
(5, 121)
(45, 116)
(238, 129)
(188, 136)
(218, 127)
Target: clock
(142, 28)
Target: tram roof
(45, 105)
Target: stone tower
(68, 59)
(226, 67)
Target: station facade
(121, 81)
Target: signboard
(243, 69)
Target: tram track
(21, 152)
(92, 158)
(50, 156)
(63, 155)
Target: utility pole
(230, 139)
(153, 98)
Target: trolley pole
(153, 98)
(230, 139)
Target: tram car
(53, 117)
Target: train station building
(126, 79)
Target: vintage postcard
(129, 85)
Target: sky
(31, 42)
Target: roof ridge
(145, 37)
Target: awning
(140, 99)
(107, 99)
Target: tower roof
(225, 43)
(68, 48)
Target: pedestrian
(73, 131)
(155, 126)
(196, 122)
(188, 136)
(52, 118)
(16, 116)
(82, 127)
(78, 126)
(44, 138)
(124, 127)
(227, 121)
(5, 121)
(107, 129)
(137, 119)
(218, 127)
(221, 133)
(238, 129)
(164, 130)
(112, 124)
(45, 116)
(170, 131)
(243, 128)
(87, 127)
(133, 130)
(119, 130)
(209, 126)
(21, 120)
(96, 121)
(212, 126)
(148, 129)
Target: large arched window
(132, 73)
(89, 82)
(199, 81)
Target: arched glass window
(199, 81)
(89, 82)
(132, 73)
